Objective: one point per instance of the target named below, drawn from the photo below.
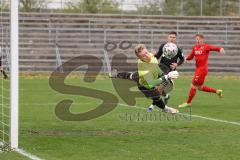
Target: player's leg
(150, 93)
(152, 107)
(3, 72)
(219, 92)
(160, 104)
(166, 97)
(204, 88)
(154, 94)
(161, 90)
(196, 81)
(125, 75)
(191, 94)
(165, 70)
(164, 89)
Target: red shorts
(199, 78)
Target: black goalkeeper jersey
(167, 61)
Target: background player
(2, 70)
(201, 52)
(169, 62)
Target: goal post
(14, 82)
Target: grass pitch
(121, 134)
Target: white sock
(166, 96)
(131, 75)
(152, 106)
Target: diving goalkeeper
(170, 56)
(151, 79)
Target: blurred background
(142, 7)
(54, 31)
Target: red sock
(191, 94)
(208, 89)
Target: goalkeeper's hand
(172, 75)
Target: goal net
(4, 82)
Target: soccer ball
(170, 50)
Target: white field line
(26, 154)
(196, 116)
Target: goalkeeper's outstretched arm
(163, 79)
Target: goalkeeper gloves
(172, 75)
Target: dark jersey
(166, 61)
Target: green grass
(113, 137)
(12, 156)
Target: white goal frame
(14, 78)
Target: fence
(139, 7)
(87, 34)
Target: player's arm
(181, 57)
(148, 78)
(160, 52)
(163, 79)
(190, 56)
(216, 48)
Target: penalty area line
(214, 119)
(196, 116)
(26, 154)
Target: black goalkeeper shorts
(152, 93)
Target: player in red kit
(201, 52)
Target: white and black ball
(170, 50)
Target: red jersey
(201, 52)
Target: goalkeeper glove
(172, 75)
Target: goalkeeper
(167, 62)
(150, 82)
